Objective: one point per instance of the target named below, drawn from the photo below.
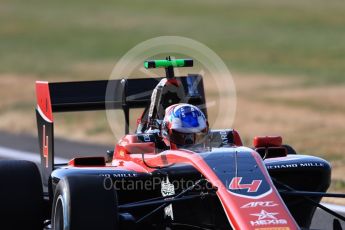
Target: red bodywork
(43, 100)
(267, 211)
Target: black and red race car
(142, 184)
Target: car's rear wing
(122, 94)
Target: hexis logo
(265, 215)
(267, 218)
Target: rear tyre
(21, 195)
(83, 202)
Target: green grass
(337, 185)
(50, 38)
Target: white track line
(335, 207)
(9, 153)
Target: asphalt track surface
(25, 147)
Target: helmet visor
(186, 139)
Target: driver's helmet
(184, 125)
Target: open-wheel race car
(173, 172)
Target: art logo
(263, 204)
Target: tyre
(81, 202)
(21, 195)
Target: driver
(184, 126)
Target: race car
(145, 182)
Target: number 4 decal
(45, 149)
(235, 184)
